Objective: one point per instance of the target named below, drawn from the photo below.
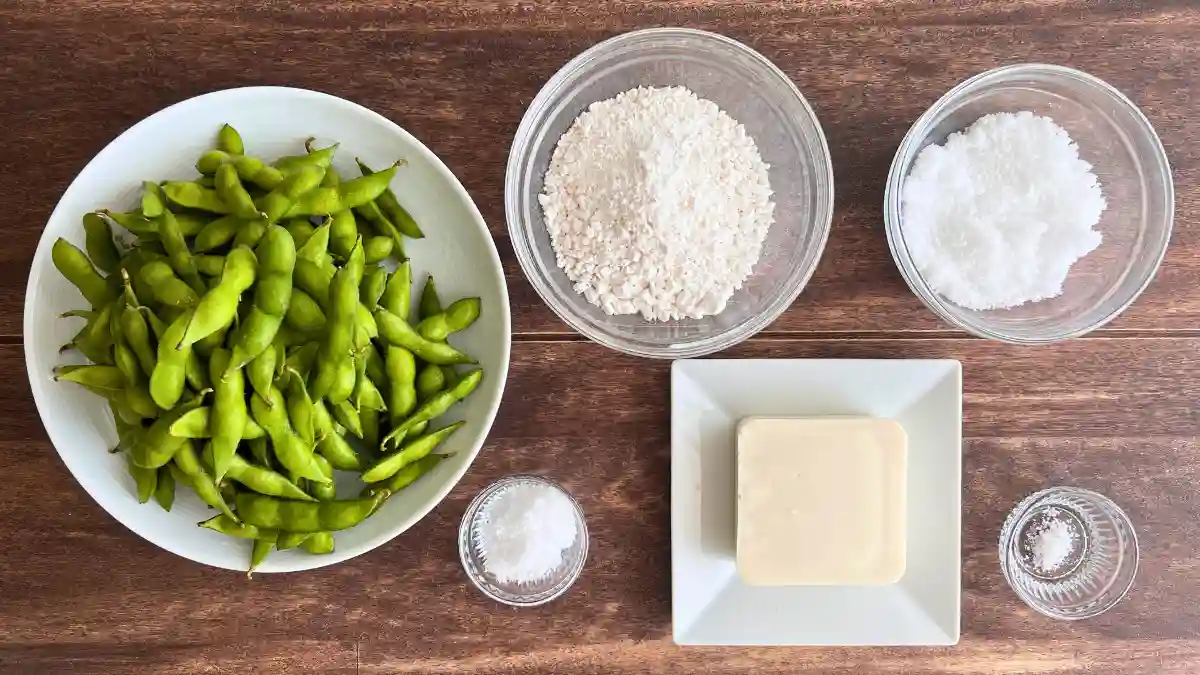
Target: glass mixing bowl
(751, 90)
(1127, 158)
(1093, 575)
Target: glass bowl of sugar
(1069, 553)
(523, 540)
(723, 274)
(1030, 204)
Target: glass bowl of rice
(751, 90)
(1129, 163)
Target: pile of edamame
(249, 343)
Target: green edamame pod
(156, 446)
(260, 452)
(371, 426)
(347, 416)
(458, 316)
(229, 414)
(98, 241)
(197, 424)
(374, 283)
(414, 450)
(261, 479)
(406, 476)
(231, 191)
(338, 339)
(178, 254)
(167, 288)
(210, 265)
(343, 382)
(304, 314)
(199, 479)
(218, 307)
(145, 480)
(316, 248)
(229, 140)
(218, 232)
(276, 254)
(259, 551)
(437, 405)
(325, 201)
(293, 516)
(167, 380)
(397, 294)
(194, 196)
(94, 377)
(300, 407)
(134, 221)
(251, 170)
(375, 367)
(343, 232)
(137, 335)
(377, 248)
(77, 268)
(300, 229)
(402, 375)
(301, 359)
(153, 202)
(396, 331)
(331, 445)
(288, 540)
(319, 543)
(278, 202)
(271, 414)
(164, 489)
(430, 380)
(391, 207)
(313, 280)
(320, 159)
(235, 528)
(261, 370)
(251, 232)
(429, 304)
(324, 491)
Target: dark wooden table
(1114, 411)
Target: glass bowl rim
(522, 243)
(1009, 531)
(919, 131)
(473, 509)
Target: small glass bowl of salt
(523, 540)
(1069, 553)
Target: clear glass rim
(1158, 164)
(1009, 530)
(464, 544)
(521, 234)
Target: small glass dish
(751, 90)
(520, 594)
(1127, 158)
(1093, 575)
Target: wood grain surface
(1114, 411)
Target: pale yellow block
(821, 501)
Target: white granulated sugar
(657, 202)
(1051, 543)
(523, 531)
(996, 217)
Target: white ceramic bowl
(274, 121)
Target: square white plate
(710, 605)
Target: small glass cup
(511, 593)
(1096, 572)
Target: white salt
(523, 531)
(997, 216)
(1052, 542)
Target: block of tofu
(821, 501)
